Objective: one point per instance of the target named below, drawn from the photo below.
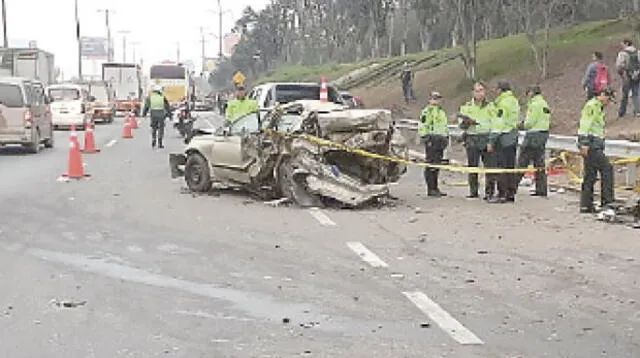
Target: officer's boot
(160, 145)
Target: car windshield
(11, 95)
(295, 92)
(249, 123)
(64, 94)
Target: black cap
(240, 88)
(504, 85)
(535, 89)
(608, 92)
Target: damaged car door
(230, 161)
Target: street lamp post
(220, 12)
(107, 13)
(79, 41)
(124, 34)
(4, 24)
(134, 46)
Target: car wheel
(34, 146)
(50, 142)
(290, 187)
(196, 173)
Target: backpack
(602, 80)
(633, 65)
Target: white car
(69, 105)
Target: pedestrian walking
(532, 151)
(596, 77)
(407, 83)
(592, 143)
(475, 118)
(628, 66)
(503, 141)
(158, 107)
(434, 132)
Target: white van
(69, 104)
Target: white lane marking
(366, 255)
(112, 143)
(322, 218)
(442, 318)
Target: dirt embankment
(562, 89)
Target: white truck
(125, 82)
(31, 63)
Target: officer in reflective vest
(158, 107)
(434, 132)
(240, 106)
(503, 140)
(536, 123)
(591, 142)
(475, 119)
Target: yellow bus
(174, 79)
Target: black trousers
(474, 155)
(506, 159)
(535, 156)
(596, 162)
(157, 129)
(434, 152)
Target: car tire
(34, 146)
(290, 187)
(50, 142)
(196, 173)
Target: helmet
(157, 88)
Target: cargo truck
(31, 63)
(125, 81)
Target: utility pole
(124, 34)
(178, 51)
(134, 46)
(107, 20)
(219, 29)
(4, 24)
(202, 43)
(79, 42)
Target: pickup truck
(268, 94)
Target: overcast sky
(156, 25)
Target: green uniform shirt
(156, 101)
(239, 107)
(433, 121)
(538, 117)
(592, 122)
(508, 113)
(484, 114)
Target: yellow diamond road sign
(239, 78)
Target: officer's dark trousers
(535, 156)
(434, 152)
(157, 129)
(474, 155)
(506, 159)
(596, 162)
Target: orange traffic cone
(134, 121)
(75, 166)
(90, 140)
(126, 131)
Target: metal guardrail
(613, 148)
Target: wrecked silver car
(284, 153)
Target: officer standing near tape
(475, 119)
(503, 141)
(536, 123)
(435, 134)
(240, 106)
(158, 107)
(591, 142)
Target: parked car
(294, 166)
(24, 115)
(351, 100)
(71, 104)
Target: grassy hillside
(507, 58)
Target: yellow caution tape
(364, 153)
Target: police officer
(240, 106)
(475, 119)
(158, 107)
(503, 141)
(536, 123)
(591, 143)
(434, 132)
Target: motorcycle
(183, 120)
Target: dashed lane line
(443, 319)
(111, 143)
(366, 255)
(322, 218)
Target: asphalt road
(150, 271)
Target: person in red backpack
(596, 77)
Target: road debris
(68, 304)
